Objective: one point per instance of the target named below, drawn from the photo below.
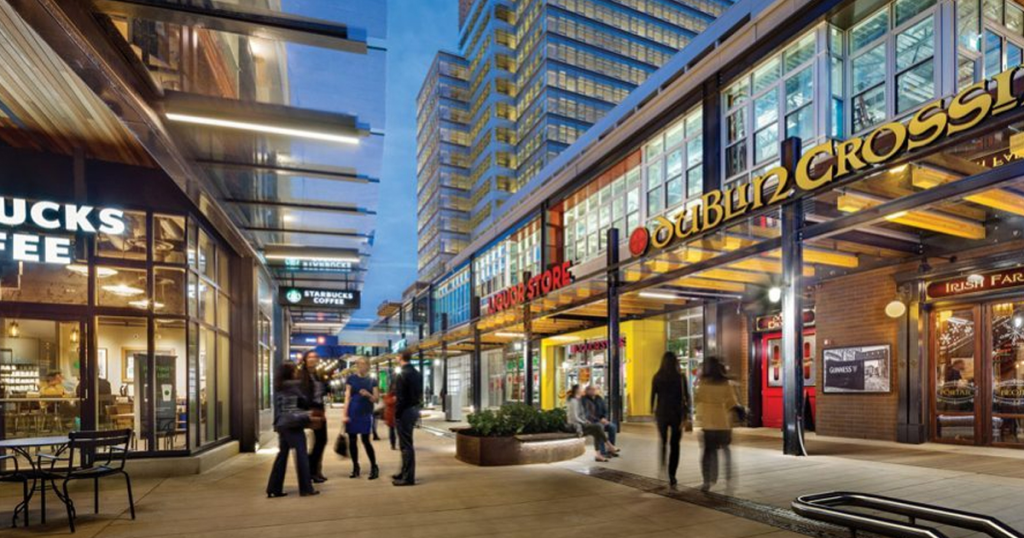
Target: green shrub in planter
(515, 419)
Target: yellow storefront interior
(645, 344)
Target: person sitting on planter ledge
(597, 413)
(577, 420)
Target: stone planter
(518, 450)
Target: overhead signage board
(995, 280)
(307, 339)
(28, 230)
(554, 278)
(312, 265)
(320, 298)
(820, 165)
(773, 322)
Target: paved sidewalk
(453, 499)
(985, 480)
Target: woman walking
(290, 422)
(314, 388)
(670, 400)
(577, 420)
(361, 393)
(390, 402)
(716, 404)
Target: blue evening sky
(416, 30)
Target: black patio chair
(90, 455)
(15, 475)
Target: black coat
(408, 389)
(670, 397)
(290, 407)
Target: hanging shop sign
(996, 280)
(310, 339)
(822, 164)
(774, 321)
(864, 369)
(319, 298)
(32, 223)
(554, 278)
(594, 345)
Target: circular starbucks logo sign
(293, 296)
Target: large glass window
(772, 102)
(613, 200)
(40, 380)
(955, 388)
(673, 162)
(891, 61)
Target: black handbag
(341, 445)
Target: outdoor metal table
(22, 448)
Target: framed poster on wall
(864, 369)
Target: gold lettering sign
(832, 160)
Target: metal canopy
(243, 20)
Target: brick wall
(850, 311)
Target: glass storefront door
(978, 373)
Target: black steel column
(910, 356)
(614, 353)
(477, 383)
(444, 363)
(792, 316)
(527, 347)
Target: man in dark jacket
(597, 413)
(408, 390)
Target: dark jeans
(715, 440)
(316, 455)
(597, 432)
(610, 431)
(671, 434)
(287, 440)
(353, 449)
(406, 425)
(392, 437)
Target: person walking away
(577, 420)
(716, 404)
(670, 400)
(409, 396)
(361, 393)
(597, 413)
(390, 401)
(313, 390)
(290, 422)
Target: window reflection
(130, 245)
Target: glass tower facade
(538, 74)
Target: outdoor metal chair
(15, 475)
(90, 455)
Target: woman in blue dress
(361, 393)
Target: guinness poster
(863, 369)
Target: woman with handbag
(716, 406)
(361, 394)
(670, 400)
(290, 422)
(314, 390)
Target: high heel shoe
(355, 472)
(374, 472)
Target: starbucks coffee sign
(320, 298)
(29, 230)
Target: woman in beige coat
(716, 404)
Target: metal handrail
(825, 507)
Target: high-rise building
(539, 74)
(443, 187)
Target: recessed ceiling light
(262, 128)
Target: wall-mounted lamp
(775, 294)
(13, 330)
